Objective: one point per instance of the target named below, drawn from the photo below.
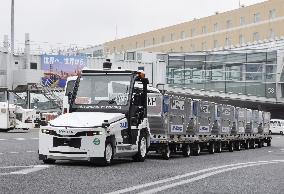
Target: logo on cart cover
(96, 141)
(226, 111)
(205, 108)
(178, 104)
(123, 125)
(203, 129)
(241, 129)
(177, 128)
(225, 129)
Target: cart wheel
(259, 145)
(269, 143)
(238, 145)
(49, 161)
(186, 150)
(196, 150)
(211, 148)
(166, 153)
(247, 144)
(252, 144)
(262, 143)
(218, 147)
(231, 146)
(142, 150)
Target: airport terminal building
(246, 25)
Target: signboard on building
(58, 67)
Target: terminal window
(255, 36)
(256, 17)
(215, 27)
(242, 21)
(229, 24)
(204, 29)
(272, 14)
(192, 32)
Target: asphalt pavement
(247, 171)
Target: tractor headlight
(92, 133)
(46, 131)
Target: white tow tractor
(106, 119)
(13, 116)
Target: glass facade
(239, 72)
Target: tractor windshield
(106, 88)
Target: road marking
(19, 139)
(30, 170)
(270, 151)
(28, 151)
(278, 137)
(4, 167)
(141, 186)
(31, 151)
(26, 170)
(203, 176)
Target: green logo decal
(96, 141)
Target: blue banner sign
(57, 68)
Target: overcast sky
(90, 22)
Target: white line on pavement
(270, 151)
(179, 177)
(28, 151)
(30, 170)
(20, 139)
(4, 167)
(162, 188)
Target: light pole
(12, 27)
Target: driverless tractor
(106, 119)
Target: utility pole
(12, 27)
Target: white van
(276, 126)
